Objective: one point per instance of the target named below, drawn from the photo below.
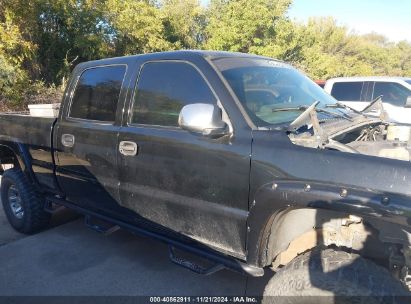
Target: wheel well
(8, 157)
(299, 230)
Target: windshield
(263, 86)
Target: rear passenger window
(392, 93)
(347, 91)
(164, 88)
(97, 93)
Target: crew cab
(235, 158)
(358, 92)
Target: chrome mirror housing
(203, 118)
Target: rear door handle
(67, 140)
(128, 148)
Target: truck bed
(26, 129)
(34, 135)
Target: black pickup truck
(238, 159)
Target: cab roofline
(180, 54)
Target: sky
(392, 18)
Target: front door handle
(67, 140)
(128, 148)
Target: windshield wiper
(318, 110)
(299, 108)
(343, 106)
(342, 115)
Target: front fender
(278, 197)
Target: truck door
(189, 183)
(86, 138)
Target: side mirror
(408, 102)
(203, 118)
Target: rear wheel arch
(17, 155)
(9, 156)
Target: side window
(347, 91)
(164, 88)
(392, 93)
(97, 93)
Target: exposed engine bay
(357, 134)
(388, 141)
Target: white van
(358, 92)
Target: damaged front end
(358, 133)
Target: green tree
(404, 57)
(242, 25)
(137, 26)
(330, 50)
(59, 29)
(41, 40)
(15, 53)
(184, 23)
(285, 43)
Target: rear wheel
(332, 273)
(23, 206)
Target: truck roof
(182, 54)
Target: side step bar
(193, 266)
(106, 230)
(220, 260)
(51, 207)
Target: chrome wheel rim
(15, 202)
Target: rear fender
(17, 154)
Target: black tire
(331, 276)
(33, 218)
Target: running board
(52, 208)
(193, 266)
(103, 229)
(193, 248)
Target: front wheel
(23, 206)
(332, 275)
